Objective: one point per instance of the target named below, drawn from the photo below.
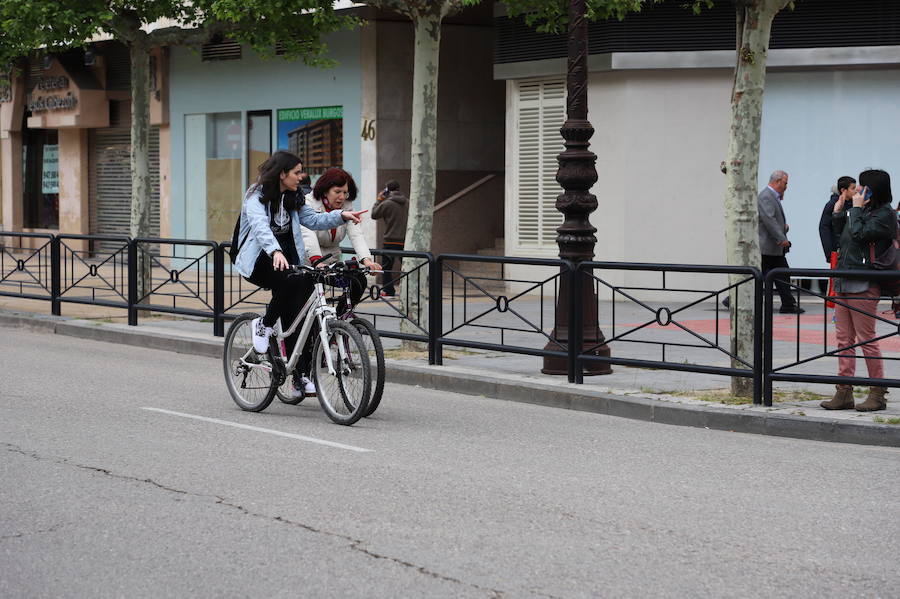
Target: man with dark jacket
(393, 207)
(846, 187)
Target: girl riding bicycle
(270, 242)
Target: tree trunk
(754, 25)
(140, 157)
(423, 170)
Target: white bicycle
(340, 361)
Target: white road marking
(259, 429)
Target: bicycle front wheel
(372, 341)
(344, 388)
(248, 375)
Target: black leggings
(289, 294)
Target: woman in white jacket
(335, 190)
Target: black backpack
(235, 246)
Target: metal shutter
(540, 114)
(110, 183)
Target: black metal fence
(472, 304)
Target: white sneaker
(261, 335)
(303, 386)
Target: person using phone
(866, 228)
(392, 207)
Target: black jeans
(289, 293)
(387, 262)
(781, 283)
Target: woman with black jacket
(866, 228)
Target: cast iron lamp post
(576, 175)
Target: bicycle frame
(315, 309)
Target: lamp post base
(556, 365)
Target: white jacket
(319, 243)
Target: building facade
(65, 142)
(220, 111)
(659, 99)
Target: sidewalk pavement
(661, 396)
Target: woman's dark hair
(269, 179)
(334, 177)
(879, 182)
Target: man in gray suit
(773, 241)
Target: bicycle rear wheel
(375, 351)
(248, 375)
(343, 395)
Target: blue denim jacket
(255, 221)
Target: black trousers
(781, 283)
(289, 293)
(388, 275)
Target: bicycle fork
(325, 314)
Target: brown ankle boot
(842, 400)
(874, 401)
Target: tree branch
(170, 36)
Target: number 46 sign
(368, 129)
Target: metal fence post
(436, 306)
(767, 336)
(55, 276)
(576, 335)
(218, 291)
(132, 283)
(757, 337)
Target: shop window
(259, 141)
(40, 153)
(214, 174)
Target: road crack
(31, 533)
(353, 544)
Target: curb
(561, 395)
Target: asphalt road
(123, 475)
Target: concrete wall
(818, 126)
(661, 134)
(470, 128)
(255, 84)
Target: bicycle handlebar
(330, 270)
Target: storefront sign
(50, 103)
(314, 134)
(52, 83)
(50, 172)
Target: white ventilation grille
(541, 113)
